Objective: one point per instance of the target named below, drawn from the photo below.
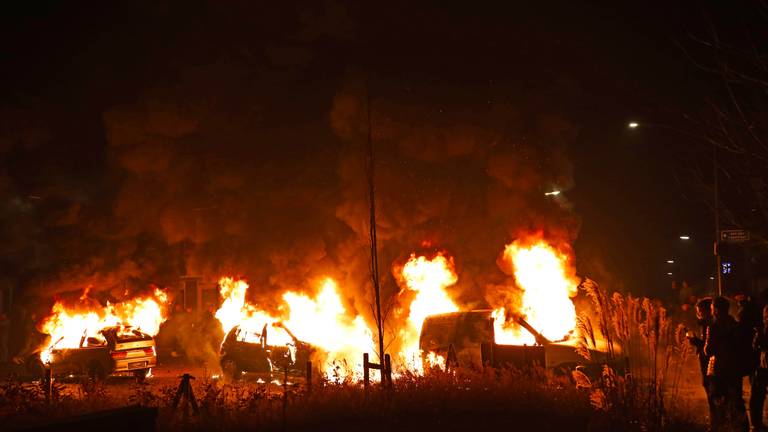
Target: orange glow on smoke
(428, 279)
(68, 326)
(548, 282)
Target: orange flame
(428, 279)
(321, 321)
(548, 282)
(67, 327)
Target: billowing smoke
(245, 156)
(462, 176)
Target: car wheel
(35, 367)
(141, 374)
(230, 369)
(96, 372)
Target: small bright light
(685, 237)
(670, 261)
(711, 278)
(669, 273)
(553, 193)
(633, 125)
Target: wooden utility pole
(370, 171)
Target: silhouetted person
(760, 377)
(704, 318)
(748, 319)
(725, 368)
(750, 323)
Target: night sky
(147, 140)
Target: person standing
(760, 376)
(704, 318)
(725, 369)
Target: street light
(669, 273)
(716, 190)
(670, 261)
(553, 193)
(685, 237)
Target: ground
(254, 401)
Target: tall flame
(548, 282)
(68, 326)
(321, 321)
(428, 279)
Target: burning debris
(69, 325)
(548, 283)
(321, 321)
(425, 282)
(541, 292)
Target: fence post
(285, 397)
(48, 384)
(387, 370)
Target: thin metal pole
(718, 264)
(374, 252)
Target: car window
(246, 336)
(278, 336)
(95, 341)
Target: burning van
(112, 351)
(468, 339)
(273, 348)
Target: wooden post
(309, 376)
(387, 371)
(48, 384)
(366, 374)
(285, 396)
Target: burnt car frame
(114, 351)
(467, 339)
(244, 351)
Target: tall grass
(646, 352)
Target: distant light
(685, 237)
(670, 261)
(633, 125)
(553, 193)
(669, 273)
(711, 278)
(727, 268)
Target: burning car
(112, 351)
(273, 348)
(468, 339)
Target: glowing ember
(428, 279)
(435, 361)
(69, 326)
(548, 282)
(321, 321)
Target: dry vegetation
(640, 393)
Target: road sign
(734, 236)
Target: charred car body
(467, 339)
(114, 351)
(272, 349)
